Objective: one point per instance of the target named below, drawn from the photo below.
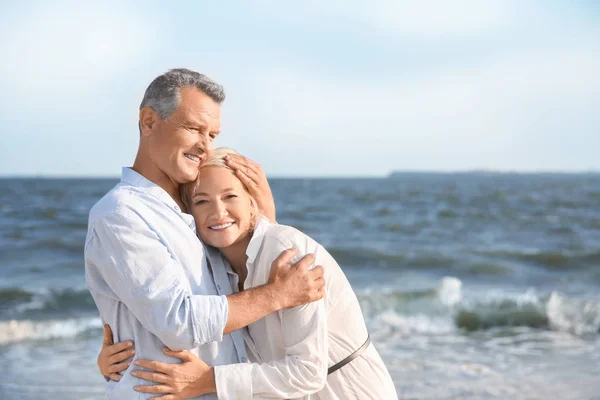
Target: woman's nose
(220, 209)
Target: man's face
(180, 143)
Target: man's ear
(148, 120)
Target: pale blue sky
(319, 88)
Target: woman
(320, 348)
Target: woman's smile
(221, 226)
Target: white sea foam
(410, 324)
(18, 330)
(449, 291)
(572, 315)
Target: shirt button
(176, 208)
(244, 359)
(219, 287)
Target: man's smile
(193, 157)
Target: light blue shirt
(150, 278)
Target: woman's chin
(217, 240)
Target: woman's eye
(201, 202)
(230, 196)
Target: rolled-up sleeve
(303, 370)
(125, 257)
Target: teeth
(221, 227)
(192, 157)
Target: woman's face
(221, 207)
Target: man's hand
(112, 357)
(253, 177)
(289, 285)
(296, 284)
(192, 378)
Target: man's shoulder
(121, 199)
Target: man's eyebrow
(190, 121)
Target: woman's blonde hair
(216, 159)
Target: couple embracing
(204, 294)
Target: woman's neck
(236, 255)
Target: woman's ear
(254, 215)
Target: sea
(473, 285)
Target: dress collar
(257, 238)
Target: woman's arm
(114, 358)
(301, 372)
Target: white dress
(292, 349)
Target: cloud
(408, 19)
(61, 57)
(314, 88)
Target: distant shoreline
(492, 173)
(393, 174)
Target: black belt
(351, 357)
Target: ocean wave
(580, 317)
(555, 312)
(434, 310)
(413, 324)
(550, 259)
(19, 330)
(361, 257)
(17, 302)
(11, 297)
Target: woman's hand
(112, 357)
(192, 378)
(253, 177)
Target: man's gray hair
(163, 94)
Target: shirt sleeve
(125, 257)
(303, 370)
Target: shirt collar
(131, 177)
(257, 239)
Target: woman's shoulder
(287, 236)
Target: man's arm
(253, 177)
(125, 254)
(126, 260)
(288, 286)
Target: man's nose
(204, 144)
(208, 149)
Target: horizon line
(475, 171)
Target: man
(145, 268)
